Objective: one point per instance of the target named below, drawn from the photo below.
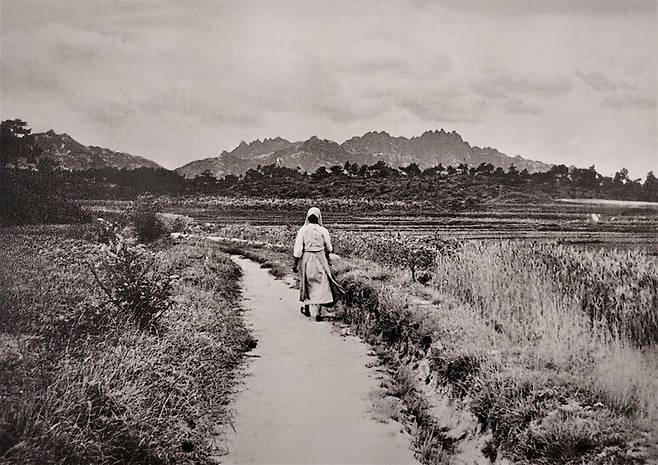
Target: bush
(129, 277)
(176, 223)
(148, 226)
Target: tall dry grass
(555, 393)
(593, 314)
(83, 384)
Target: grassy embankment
(86, 381)
(551, 350)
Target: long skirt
(316, 283)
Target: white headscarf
(314, 211)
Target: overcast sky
(558, 81)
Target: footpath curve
(308, 396)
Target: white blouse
(312, 238)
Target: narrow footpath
(308, 394)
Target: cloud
(620, 94)
(497, 84)
(601, 82)
(552, 7)
(630, 101)
(520, 107)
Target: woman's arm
(298, 250)
(328, 248)
(327, 241)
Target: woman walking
(317, 286)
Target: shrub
(104, 231)
(148, 226)
(129, 277)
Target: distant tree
(205, 182)
(321, 173)
(462, 168)
(499, 172)
(587, 178)
(650, 188)
(451, 170)
(558, 172)
(352, 169)
(621, 177)
(230, 179)
(431, 172)
(16, 142)
(382, 170)
(485, 168)
(411, 170)
(337, 170)
(605, 185)
(253, 175)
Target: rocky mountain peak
(70, 154)
(427, 150)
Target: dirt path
(308, 392)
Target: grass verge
(82, 384)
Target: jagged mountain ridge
(426, 150)
(70, 154)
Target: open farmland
(608, 225)
(545, 351)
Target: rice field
(606, 225)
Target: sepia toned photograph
(338, 232)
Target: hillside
(70, 154)
(239, 160)
(427, 150)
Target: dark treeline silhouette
(410, 182)
(27, 175)
(349, 180)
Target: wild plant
(148, 225)
(130, 278)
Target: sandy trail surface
(308, 394)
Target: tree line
(461, 184)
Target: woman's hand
(294, 265)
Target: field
(598, 225)
(539, 321)
(536, 325)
